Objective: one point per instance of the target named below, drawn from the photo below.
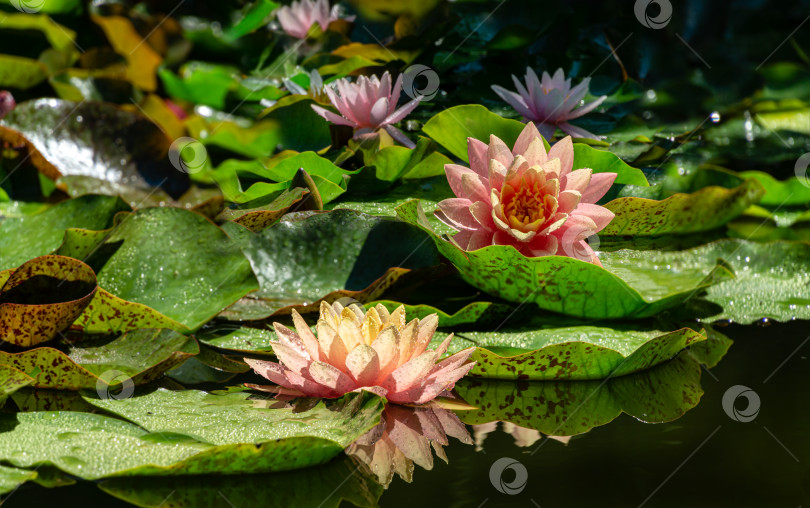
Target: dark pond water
(704, 458)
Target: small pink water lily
(368, 105)
(526, 198)
(356, 350)
(405, 436)
(7, 103)
(297, 18)
(550, 103)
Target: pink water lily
(297, 18)
(7, 103)
(526, 198)
(356, 350)
(550, 103)
(407, 436)
(368, 105)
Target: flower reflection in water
(524, 437)
(407, 436)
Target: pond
(704, 458)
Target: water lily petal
(600, 184)
(363, 364)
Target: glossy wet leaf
(241, 435)
(11, 478)
(238, 338)
(570, 286)
(308, 255)
(176, 262)
(44, 231)
(703, 210)
(140, 356)
(327, 486)
(42, 297)
(566, 408)
(68, 140)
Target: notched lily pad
(43, 297)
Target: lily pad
(94, 139)
(326, 486)
(12, 380)
(176, 262)
(12, 477)
(238, 435)
(469, 314)
(308, 255)
(137, 357)
(44, 231)
(570, 353)
(451, 128)
(567, 408)
(706, 209)
(43, 297)
(570, 286)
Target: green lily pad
(570, 353)
(238, 338)
(237, 435)
(12, 477)
(779, 193)
(44, 231)
(570, 286)
(451, 128)
(467, 315)
(308, 255)
(566, 408)
(12, 380)
(326, 486)
(139, 357)
(706, 209)
(129, 149)
(176, 262)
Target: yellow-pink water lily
(357, 350)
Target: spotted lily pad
(570, 286)
(703, 210)
(43, 297)
(566, 408)
(137, 357)
(570, 353)
(12, 380)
